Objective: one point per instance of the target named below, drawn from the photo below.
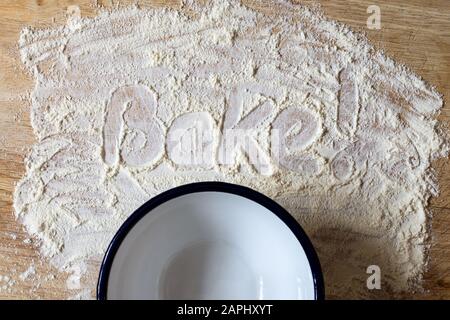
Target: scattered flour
(12, 235)
(332, 129)
(27, 273)
(6, 284)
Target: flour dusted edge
(337, 133)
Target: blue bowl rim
(211, 186)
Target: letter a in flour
(240, 134)
(190, 140)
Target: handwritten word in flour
(132, 134)
(222, 86)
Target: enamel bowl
(210, 240)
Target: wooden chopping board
(414, 32)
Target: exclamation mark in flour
(348, 108)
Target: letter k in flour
(239, 135)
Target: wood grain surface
(414, 32)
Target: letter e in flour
(293, 131)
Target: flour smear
(118, 98)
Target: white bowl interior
(210, 245)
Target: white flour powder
(115, 95)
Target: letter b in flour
(131, 127)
